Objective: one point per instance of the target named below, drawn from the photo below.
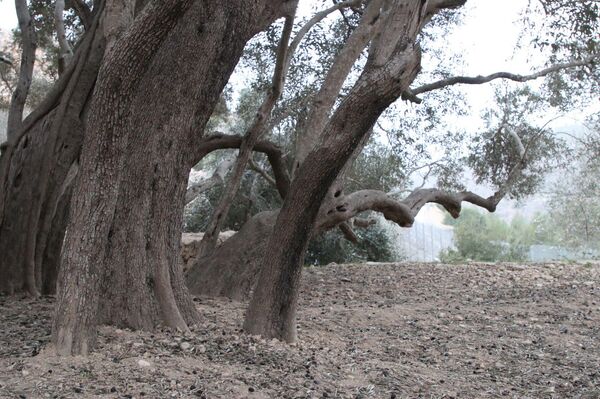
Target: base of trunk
(282, 328)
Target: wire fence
(422, 242)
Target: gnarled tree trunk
(155, 93)
(36, 167)
(392, 65)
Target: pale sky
(487, 37)
(8, 18)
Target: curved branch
(452, 202)
(365, 200)
(274, 155)
(411, 95)
(404, 212)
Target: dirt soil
(366, 331)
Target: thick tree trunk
(34, 177)
(272, 311)
(154, 95)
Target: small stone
(144, 363)
(25, 373)
(201, 349)
(185, 346)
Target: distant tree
(486, 238)
(573, 216)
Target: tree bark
(65, 53)
(155, 92)
(34, 170)
(392, 65)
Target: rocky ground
(367, 331)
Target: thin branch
(218, 177)
(66, 53)
(28, 45)
(517, 140)
(411, 95)
(254, 166)
(318, 17)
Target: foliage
(486, 238)
(566, 30)
(46, 64)
(573, 218)
(9, 76)
(406, 140)
(374, 245)
(376, 167)
(494, 154)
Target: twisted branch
(274, 155)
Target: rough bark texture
(392, 65)
(155, 93)
(34, 170)
(97, 185)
